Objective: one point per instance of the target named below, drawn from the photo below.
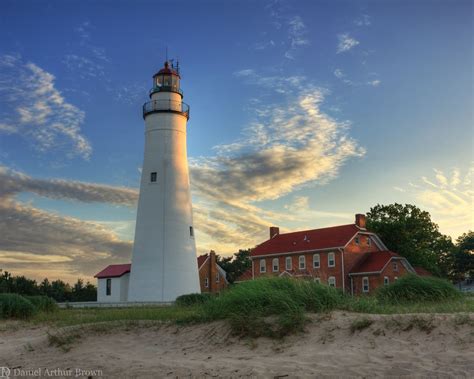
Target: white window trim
(332, 279)
(318, 260)
(395, 266)
(333, 260)
(277, 265)
(288, 259)
(365, 279)
(386, 280)
(302, 261)
(357, 240)
(206, 282)
(263, 268)
(317, 280)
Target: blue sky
(302, 114)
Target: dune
(338, 344)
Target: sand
(392, 346)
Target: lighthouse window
(153, 177)
(159, 81)
(167, 81)
(191, 231)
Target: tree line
(57, 289)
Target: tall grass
(15, 306)
(416, 289)
(270, 306)
(43, 303)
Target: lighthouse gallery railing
(157, 106)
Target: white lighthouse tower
(164, 264)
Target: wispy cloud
(374, 83)
(288, 145)
(38, 111)
(346, 43)
(449, 197)
(338, 73)
(363, 20)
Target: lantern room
(166, 80)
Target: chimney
(360, 220)
(274, 231)
(212, 270)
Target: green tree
(409, 231)
(463, 257)
(235, 265)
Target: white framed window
(386, 280)
(288, 263)
(332, 281)
(218, 277)
(275, 265)
(331, 260)
(302, 262)
(316, 261)
(396, 278)
(365, 284)
(369, 241)
(317, 280)
(263, 265)
(395, 266)
(357, 240)
(206, 282)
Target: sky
(303, 113)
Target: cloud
(84, 67)
(36, 110)
(338, 73)
(449, 197)
(80, 247)
(374, 83)
(13, 183)
(363, 20)
(287, 146)
(58, 245)
(346, 43)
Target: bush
(271, 307)
(15, 306)
(414, 289)
(43, 303)
(192, 299)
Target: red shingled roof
(324, 238)
(114, 271)
(374, 262)
(422, 272)
(246, 275)
(201, 259)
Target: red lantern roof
(167, 70)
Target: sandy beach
(332, 345)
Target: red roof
(167, 70)
(246, 275)
(422, 272)
(374, 262)
(201, 259)
(114, 271)
(324, 238)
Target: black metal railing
(157, 106)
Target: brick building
(347, 257)
(211, 276)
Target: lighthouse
(164, 264)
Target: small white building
(112, 283)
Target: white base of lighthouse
(164, 264)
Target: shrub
(271, 307)
(192, 299)
(15, 306)
(413, 289)
(43, 303)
